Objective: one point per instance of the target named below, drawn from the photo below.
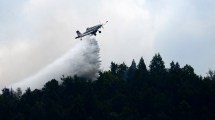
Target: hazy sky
(34, 33)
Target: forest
(133, 92)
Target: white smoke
(83, 60)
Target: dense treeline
(122, 93)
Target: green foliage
(123, 93)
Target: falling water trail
(83, 60)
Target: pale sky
(34, 33)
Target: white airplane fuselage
(89, 31)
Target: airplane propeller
(104, 24)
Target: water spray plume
(83, 60)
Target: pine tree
(174, 68)
(157, 65)
(131, 74)
(114, 68)
(133, 65)
(122, 70)
(142, 73)
(141, 66)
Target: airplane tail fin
(78, 33)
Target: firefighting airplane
(90, 31)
